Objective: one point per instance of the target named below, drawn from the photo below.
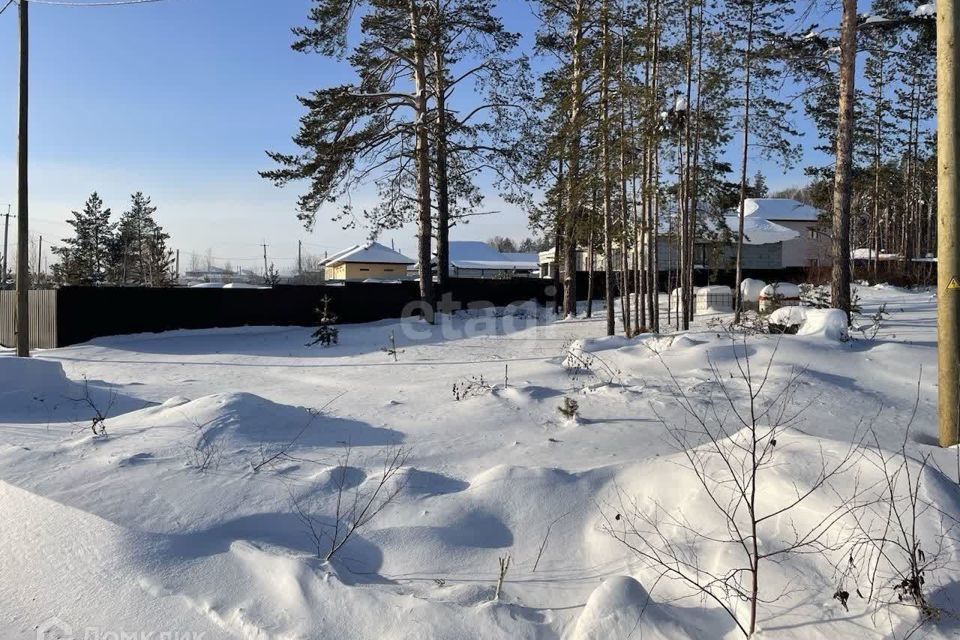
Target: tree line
(130, 251)
(643, 124)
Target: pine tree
(272, 277)
(757, 32)
(141, 256)
(160, 259)
(84, 257)
(374, 130)
(133, 233)
(469, 44)
(568, 34)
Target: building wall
(364, 270)
(496, 274)
(800, 251)
(706, 255)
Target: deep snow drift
(210, 502)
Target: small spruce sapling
(569, 409)
(326, 334)
(272, 277)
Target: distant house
(366, 261)
(473, 259)
(220, 275)
(811, 247)
(764, 245)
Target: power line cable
(113, 3)
(9, 2)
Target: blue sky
(180, 99)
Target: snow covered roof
(369, 253)
(780, 209)
(523, 257)
(758, 230)
(336, 255)
(470, 254)
(864, 253)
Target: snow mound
(32, 374)
(684, 341)
(751, 288)
(621, 608)
(781, 289)
(34, 389)
(827, 323)
(245, 419)
(789, 316)
(604, 343)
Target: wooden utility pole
(948, 201)
(39, 258)
(264, 245)
(178, 264)
(299, 256)
(23, 230)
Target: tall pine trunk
(422, 158)
(442, 182)
(877, 153)
(695, 160)
(591, 256)
(744, 158)
(624, 211)
(652, 187)
(840, 282)
(573, 163)
(605, 160)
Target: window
(813, 233)
(388, 270)
(364, 269)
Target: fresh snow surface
(123, 533)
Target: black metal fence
(83, 313)
(78, 314)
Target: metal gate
(43, 318)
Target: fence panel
(43, 318)
(84, 313)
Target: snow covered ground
(223, 448)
